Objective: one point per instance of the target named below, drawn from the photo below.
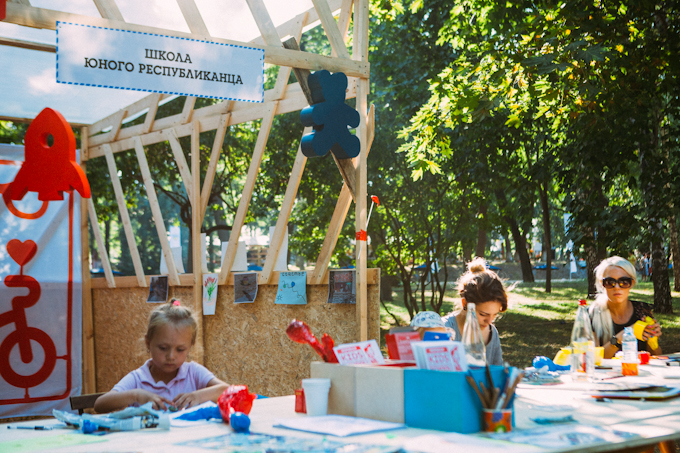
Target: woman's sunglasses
(623, 282)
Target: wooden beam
(197, 249)
(116, 123)
(212, 165)
(188, 109)
(320, 272)
(283, 76)
(100, 244)
(89, 374)
(187, 280)
(28, 45)
(360, 52)
(125, 216)
(46, 19)
(154, 99)
(264, 22)
(193, 18)
(133, 108)
(247, 193)
(156, 211)
(284, 214)
(109, 10)
(331, 27)
(181, 162)
(343, 18)
(288, 28)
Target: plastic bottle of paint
(582, 344)
(629, 346)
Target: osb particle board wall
(243, 343)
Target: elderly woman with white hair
(612, 310)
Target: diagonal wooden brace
(346, 166)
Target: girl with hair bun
(485, 289)
(166, 379)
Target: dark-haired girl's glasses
(623, 282)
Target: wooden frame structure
(106, 137)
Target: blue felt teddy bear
(330, 118)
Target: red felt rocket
(49, 168)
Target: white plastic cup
(316, 395)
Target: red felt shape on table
(49, 168)
(235, 398)
(3, 9)
(299, 332)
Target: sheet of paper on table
(560, 436)
(47, 442)
(337, 425)
(456, 443)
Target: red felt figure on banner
(3, 9)
(235, 398)
(299, 332)
(49, 167)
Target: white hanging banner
(130, 60)
(40, 298)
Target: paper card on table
(440, 355)
(337, 425)
(245, 288)
(341, 288)
(48, 443)
(363, 352)
(158, 290)
(292, 288)
(209, 293)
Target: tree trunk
(662, 287)
(508, 252)
(107, 237)
(518, 238)
(481, 232)
(675, 250)
(547, 244)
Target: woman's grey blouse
(494, 353)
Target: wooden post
(214, 159)
(89, 371)
(196, 222)
(360, 52)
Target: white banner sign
(130, 60)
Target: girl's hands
(187, 400)
(144, 396)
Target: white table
(653, 421)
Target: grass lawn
(538, 323)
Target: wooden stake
(89, 371)
(100, 244)
(214, 159)
(188, 109)
(181, 162)
(331, 27)
(198, 251)
(155, 98)
(284, 214)
(125, 217)
(247, 193)
(108, 9)
(193, 17)
(156, 212)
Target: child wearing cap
(427, 321)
